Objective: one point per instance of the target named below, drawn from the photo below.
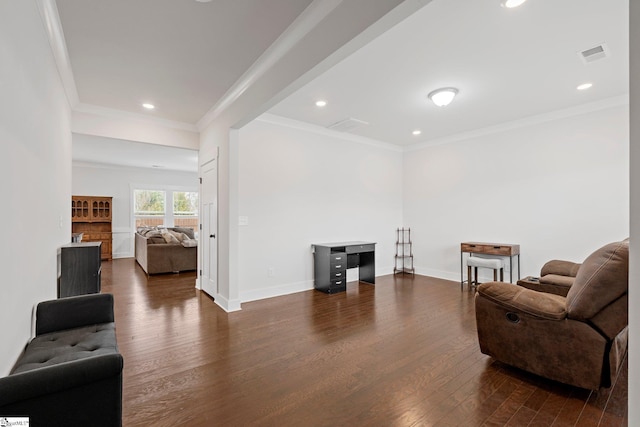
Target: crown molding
(127, 115)
(53, 28)
(612, 102)
(300, 27)
(97, 165)
(319, 130)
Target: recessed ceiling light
(321, 103)
(443, 96)
(417, 132)
(148, 106)
(584, 86)
(510, 4)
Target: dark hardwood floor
(401, 353)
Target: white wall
(112, 124)
(35, 159)
(99, 180)
(299, 186)
(558, 188)
(634, 246)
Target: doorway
(209, 218)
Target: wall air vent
(594, 53)
(347, 125)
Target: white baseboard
(276, 291)
(226, 304)
(440, 274)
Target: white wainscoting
(123, 243)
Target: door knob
(212, 235)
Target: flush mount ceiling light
(148, 106)
(584, 86)
(416, 132)
(510, 4)
(321, 103)
(443, 96)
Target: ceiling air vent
(347, 125)
(595, 53)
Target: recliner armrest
(517, 298)
(74, 312)
(560, 268)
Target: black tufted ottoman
(71, 372)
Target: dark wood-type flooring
(401, 353)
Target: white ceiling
(507, 64)
(184, 55)
(180, 55)
(110, 151)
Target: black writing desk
(331, 261)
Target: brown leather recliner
(556, 277)
(580, 339)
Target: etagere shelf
(404, 252)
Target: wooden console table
(495, 249)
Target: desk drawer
(486, 249)
(338, 286)
(338, 267)
(360, 248)
(338, 258)
(338, 275)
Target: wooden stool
(493, 263)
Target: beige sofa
(157, 252)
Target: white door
(209, 215)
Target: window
(166, 208)
(185, 209)
(149, 207)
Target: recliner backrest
(602, 279)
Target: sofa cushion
(67, 345)
(186, 230)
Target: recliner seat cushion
(557, 280)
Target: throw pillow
(170, 238)
(186, 230)
(177, 235)
(189, 243)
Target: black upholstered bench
(71, 372)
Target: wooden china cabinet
(91, 216)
